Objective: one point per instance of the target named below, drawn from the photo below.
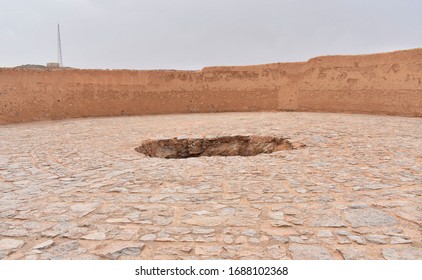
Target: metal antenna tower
(59, 47)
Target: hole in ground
(219, 146)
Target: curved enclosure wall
(388, 83)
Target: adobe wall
(389, 83)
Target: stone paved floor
(76, 189)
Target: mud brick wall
(388, 83)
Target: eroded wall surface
(388, 83)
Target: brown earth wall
(388, 83)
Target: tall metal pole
(59, 47)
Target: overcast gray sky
(191, 34)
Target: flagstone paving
(77, 189)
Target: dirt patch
(219, 146)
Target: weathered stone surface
(393, 231)
(325, 233)
(44, 245)
(309, 252)
(205, 221)
(228, 239)
(207, 250)
(297, 239)
(241, 240)
(327, 220)
(343, 232)
(118, 220)
(358, 239)
(250, 232)
(172, 251)
(8, 244)
(277, 252)
(281, 223)
(377, 239)
(148, 237)
(400, 240)
(95, 236)
(353, 187)
(65, 250)
(351, 253)
(404, 253)
(243, 252)
(119, 249)
(15, 232)
(277, 215)
(69, 230)
(83, 209)
(369, 217)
